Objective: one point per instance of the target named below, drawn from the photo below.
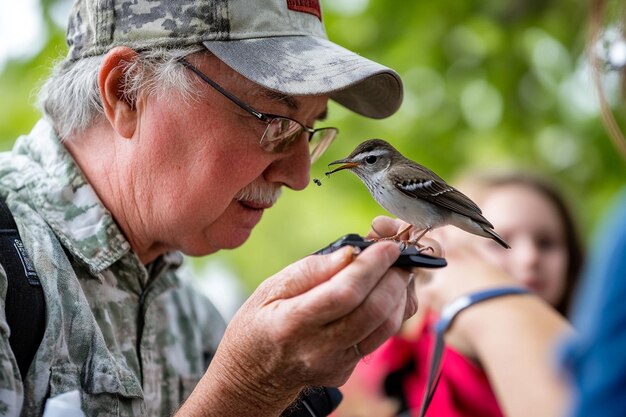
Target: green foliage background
(488, 83)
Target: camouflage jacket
(132, 339)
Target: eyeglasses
(281, 131)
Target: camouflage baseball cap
(279, 44)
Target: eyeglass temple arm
(225, 93)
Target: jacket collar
(63, 197)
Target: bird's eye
(370, 159)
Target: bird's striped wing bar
(441, 194)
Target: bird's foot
(405, 243)
(397, 237)
(415, 242)
(424, 248)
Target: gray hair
(70, 98)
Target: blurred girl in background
(545, 256)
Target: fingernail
(346, 253)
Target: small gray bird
(412, 192)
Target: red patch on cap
(306, 6)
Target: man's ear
(121, 113)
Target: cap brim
(307, 65)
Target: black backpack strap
(25, 306)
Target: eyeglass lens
(320, 141)
(282, 132)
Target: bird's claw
(404, 244)
(422, 249)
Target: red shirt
(463, 389)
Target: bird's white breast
(419, 213)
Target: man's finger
(343, 293)
(383, 226)
(309, 272)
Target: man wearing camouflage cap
(170, 127)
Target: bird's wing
(421, 183)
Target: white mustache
(259, 192)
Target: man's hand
(299, 328)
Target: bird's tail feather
(496, 237)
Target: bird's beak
(347, 164)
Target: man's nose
(293, 167)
